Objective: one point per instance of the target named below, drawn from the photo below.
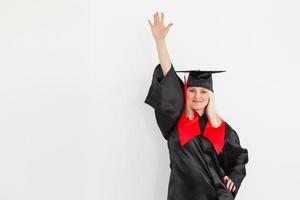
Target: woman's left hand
(210, 109)
(211, 112)
(229, 184)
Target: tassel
(186, 112)
(185, 92)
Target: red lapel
(188, 129)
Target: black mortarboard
(199, 78)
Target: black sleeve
(233, 158)
(166, 96)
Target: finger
(230, 186)
(211, 94)
(227, 184)
(233, 188)
(154, 18)
(169, 26)
(162, 18)
(225, 179)
(158, 17)
(150, 23)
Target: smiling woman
(198, 99)
(199, 95)
(206, 159)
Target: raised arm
(159, 32)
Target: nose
(198, 95)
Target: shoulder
(230, 133)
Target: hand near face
(210, 109)
(229, 184)
(212, 114)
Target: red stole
(188, 129)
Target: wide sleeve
(166, 96)
(233, 158)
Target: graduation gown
(198, 166)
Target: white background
(75, 74)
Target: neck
(200, 111)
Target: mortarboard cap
(198, 78)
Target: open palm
(159, 31)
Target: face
(197, 97)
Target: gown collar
(188, 129)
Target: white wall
(74, 76)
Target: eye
(203, 92)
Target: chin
(201, 107)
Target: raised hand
(159, 31)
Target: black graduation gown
(196, 169)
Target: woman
(207, 161)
